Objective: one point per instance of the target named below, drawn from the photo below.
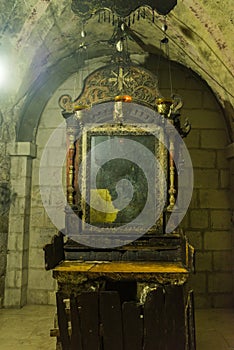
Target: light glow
(4, 71)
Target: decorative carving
(70, 175)
(106, 83)
(65, 102)
(172, 190)
(120, 7)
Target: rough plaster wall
(207, 222)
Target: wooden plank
(54, 252)
(175, 318)
(111, 321)
(191, 334)
(89, 319)
(154, 315)
(62, 322)
(132, 326)
(76, 335)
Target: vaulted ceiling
(41, 41)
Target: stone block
(25, 259)
(43, 136)
(206, 178)
(43, 195)
(194, 203)
(217, 240)
(192, 99)
(52, 115)
(214, 199)
(37, 297)
(20, 206)
(18, 278)
(35, 176)
(37, 217)
(195, 238)
(192, 82)
(20, 188)
(51, 176)
(24, 277)
(12, 297)
(205, 119)
(199, 218)
(40, 279)
(193, 139)
(10, 279)
(221, 219)
(57, 216)
(222, 161)
(28, 149)
(52, 298)
(215, 139)
(203, 261)
(223, 300)
(223, 261)
(16, 225)
(198, 282)
(57, 197)
(36, 258)
(220, 282)
(202, 301)
(224, 178)
(11, 245)
(14, 260)
(56, 158)
(203, 158)
(41, 236)
(52, 139)
(18, 168)
(185, 222)
(210, 102)
(21, 241)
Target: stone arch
(207, 118)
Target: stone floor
(28, 328)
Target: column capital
(27, 149)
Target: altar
(122, 261)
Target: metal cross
(120, 79)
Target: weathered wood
(175, 318)
(111, 321)
(54, 252)
(76, 334)
(191, 334)
(63, 322)
(89, 319)
(154, 316)
(132, 326)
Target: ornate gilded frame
(125, 129)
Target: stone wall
(7, 134)
(41, 286)
(208, 221)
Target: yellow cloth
(107, 213)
